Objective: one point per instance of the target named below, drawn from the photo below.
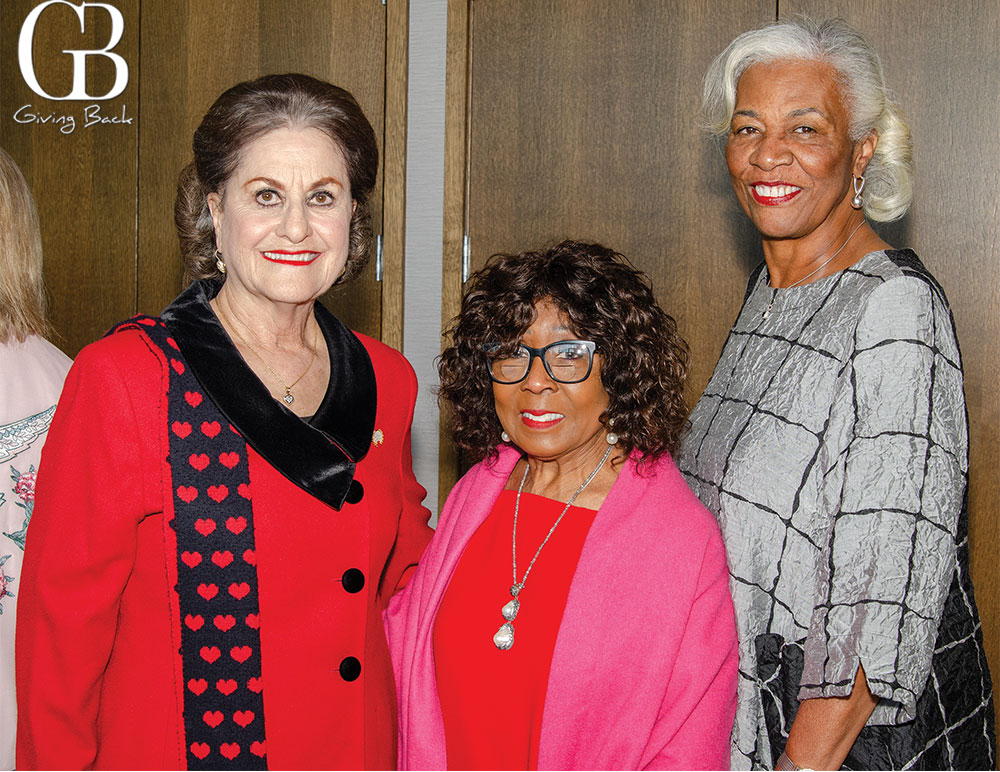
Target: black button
(353, 579)
(350, 669)
(355, 493)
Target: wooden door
(580, 120)
(106, 194)
(82, 172)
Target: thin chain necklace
(817, 269)
(504, 637)
(288, 398)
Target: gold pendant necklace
(288, 397)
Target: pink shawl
(643, 674)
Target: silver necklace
(817, 269)
(504, 637)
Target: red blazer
(98, 681)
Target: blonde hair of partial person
(889, 176)
(22, 292)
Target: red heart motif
(193, 398)
(250, 557)
(199, 461)
(229, 750)
(224, 623)
(210, 653)
(217, 492)
(194, 621)
(191, 559)
(240, 653)
(222, 559)
(198, 685)
(253, 621)
(182, 430)
(255, 684)
(204, 526)
(229, 460)
(186, 493)
(173, 344)
(178, 366)
(200, 749)
(208, 591)
(239, 591)
(236, 524)
(258, 748)
(210, 429)
(244, 490)
(226, 685)
(243, 717)
(213, 718)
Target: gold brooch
(377, 437)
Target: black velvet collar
(318, 456)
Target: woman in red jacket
(226, 499)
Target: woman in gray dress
(831, 441)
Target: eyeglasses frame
(488, 348)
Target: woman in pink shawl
(572, 610)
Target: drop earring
(858, 183)
(611, 437)
(220, 263)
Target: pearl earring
(504, 436)
(858, 183)
(220, 263)
(611, 437)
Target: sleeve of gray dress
(890, 555)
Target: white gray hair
(889, 176)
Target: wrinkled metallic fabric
(832, 445)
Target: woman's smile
(540, 419)
(775, 193)
(288, 257)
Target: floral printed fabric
(31, 376)
(831, 443)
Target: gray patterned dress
(832, 445)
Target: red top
(98, 675)
(492, 700)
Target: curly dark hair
(249, 110)
(608, 301)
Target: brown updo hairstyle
(249, 110)
(644, 359)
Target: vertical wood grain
(942, 64)
(455, 159)
(83, 181)
(397, 31)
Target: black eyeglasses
(566, 361)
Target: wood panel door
(943, 69)
(106, 193)
(82, 172)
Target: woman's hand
(825, 728)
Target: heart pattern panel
(216, 571)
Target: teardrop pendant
(510, 610)
(504, 637)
